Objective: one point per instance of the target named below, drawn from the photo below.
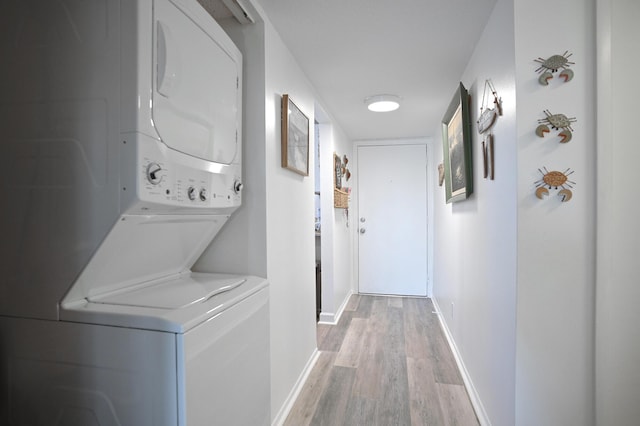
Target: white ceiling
(352, 49)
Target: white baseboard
(468, 383)
(325, 318)
(331, 318)
(279, 419)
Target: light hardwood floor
(385, 363)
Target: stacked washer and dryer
(120, 151)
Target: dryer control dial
(192, 193)
(153, 173)
(237, 187)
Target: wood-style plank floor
(385, 363)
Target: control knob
(191, 193)
(237, 186)
(153, 173)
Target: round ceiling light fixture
(382, 103)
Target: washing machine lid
(175, 305)
(196, 89)
(177, 293)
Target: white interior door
(392, 222)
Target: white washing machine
(120, 152)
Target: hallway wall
(290, 232)
(617, 314)
(556, 241)
(337, 238)
(475, 240)
(520, 308)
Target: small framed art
(295, 138)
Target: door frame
(431, 166)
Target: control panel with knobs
(166, 184)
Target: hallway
(386, 362)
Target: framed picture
(456, 143)
(295, 138)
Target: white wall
(556, 241)
(521, 307)
(475, 240)
(617, 330)
(290, 231)
(337, 235)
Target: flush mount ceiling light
(382, 103)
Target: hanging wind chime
(486, 120)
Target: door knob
(362, 230)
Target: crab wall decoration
(554, 180)
(553, 64)
(557, 122)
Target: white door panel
(392, 222)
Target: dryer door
(196, 96)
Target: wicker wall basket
(340, 199)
